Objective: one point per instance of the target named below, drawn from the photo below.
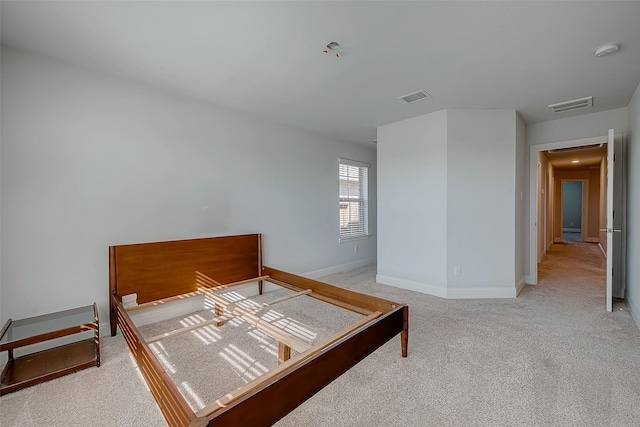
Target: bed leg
(113, 319)
(260, 287)
(113, 327)
(404, 335)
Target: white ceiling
(265, 58)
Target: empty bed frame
(161, 272)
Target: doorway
(545, 225)
(575, 210)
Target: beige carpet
(551, 357)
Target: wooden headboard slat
(164, 269)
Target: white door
(615, 213)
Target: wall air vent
(576, 104)
(416, 96)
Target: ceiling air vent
(576, 104)
(416, 96)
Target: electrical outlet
(457, 271)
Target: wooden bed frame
(160, 272)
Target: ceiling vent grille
(415, 97)
(576, 104)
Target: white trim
(448, 293)
(520, 284)
(533, 194)
(635, 311)
(528, 281)
(353, 238)
(105, 329)
(436, 291)
(602, 249)
(478, 293)
(339, 268)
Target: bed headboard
(164, 269)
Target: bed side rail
(174, 407)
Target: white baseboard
(339, 268)
(528, 280)
(481, 293)
(412, 286)
(181, 307)
(448, 293)
(520, 284)
(592, 240)
(634, 310)
(602, 249)
(184, 307)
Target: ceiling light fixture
(607, 49)
(575, 161)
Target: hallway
(574, 273)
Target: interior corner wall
(481, 159)
(412, 203)
(632, 296)
(90, 161)
(446, 198)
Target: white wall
(633, 207)
(446, 197)
(90, 161)
(481, 154)
(412, 203)
(577, 127)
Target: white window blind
(354, 195)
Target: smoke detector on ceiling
(333, 47)
(415, 96)
(576, 104)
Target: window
(354, 195)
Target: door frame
(532, 278)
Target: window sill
(353, 239)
